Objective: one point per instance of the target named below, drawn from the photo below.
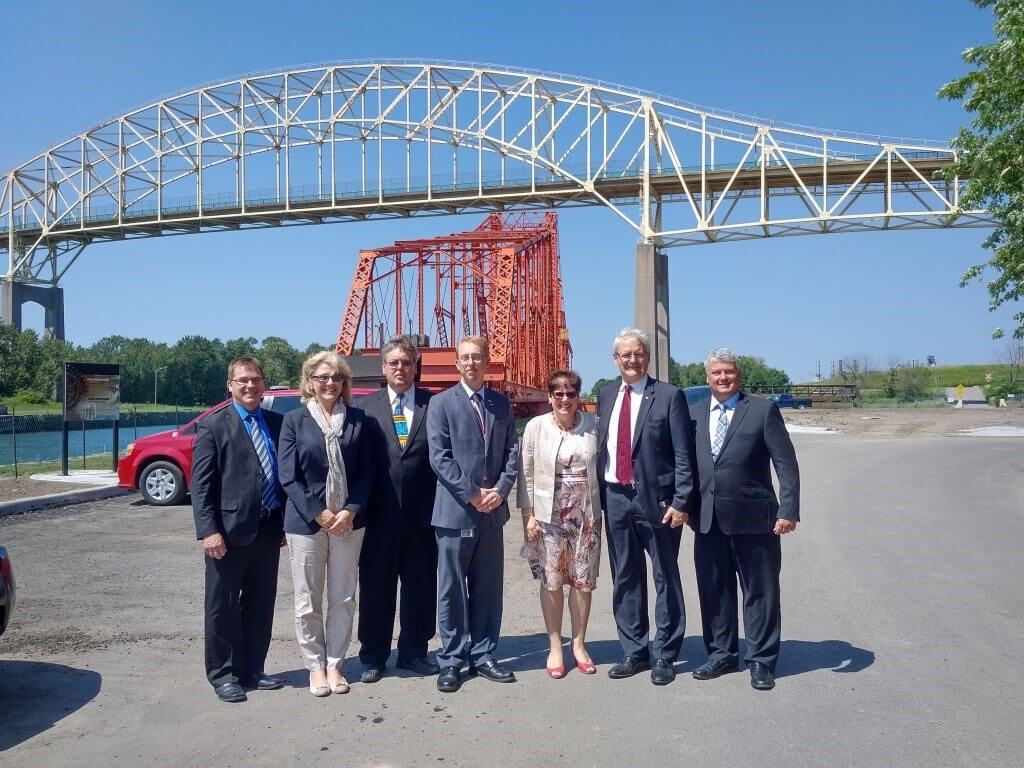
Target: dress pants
(756, 558)
(470, 576)
(630, 533)
(321, 560)
(239, 606)
(389, 554)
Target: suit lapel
(239, 432)
(734, 422)
(489, 406)
(645, 407)
(704, 426)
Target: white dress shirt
(408, 404)
(636, 397)
(716, 406)
(483, 398)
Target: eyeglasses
(471, 358)
(632, 356)
(255, 381)
(565, 395)
(393, 364)
(324, 378)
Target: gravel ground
(906, 422)
(904, 627)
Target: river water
(45, 446)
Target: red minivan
(160, 465)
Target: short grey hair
(722, 355)
(404, 343)
(632, 334)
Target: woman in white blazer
(560, 502)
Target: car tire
(162, 484)
(801, 407)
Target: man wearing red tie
(646, 481)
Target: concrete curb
(67, 498)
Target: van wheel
(162, 484)
(801, 407)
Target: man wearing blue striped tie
(237, 501)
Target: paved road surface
(904, 632)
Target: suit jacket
(737, 488)
(662, 447)
(538, 451)
(303, 469)
(227, 480)
(465, 462)
(404, 484)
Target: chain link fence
(32, 442)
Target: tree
(280, 361)
(991, 150)
(599, 384)
(907, 381)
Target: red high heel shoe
(586, 667)
(556, 673)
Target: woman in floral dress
(561, 508)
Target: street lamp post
(155, 374)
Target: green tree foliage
(991, 150)
(599, 384)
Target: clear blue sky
(872, 67)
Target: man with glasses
(399, 541)
(474, 451)
(237, 501)
(645, 465)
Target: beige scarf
(337, 481)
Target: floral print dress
(568, 551)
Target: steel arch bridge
(397, 138)
(355, 141)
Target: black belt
(631, 486)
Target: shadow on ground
(35, 695)
(799, 656)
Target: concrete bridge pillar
(651, 305)
(16, 294)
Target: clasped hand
(487, 500)
(336, 523)
(675, 517)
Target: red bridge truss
(500, 280)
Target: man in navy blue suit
(645, 459)
(475, 453)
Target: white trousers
(318, 561)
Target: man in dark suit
(236, 502)
(738, 438)
(399, 541)
(645, 461)
(475, 453)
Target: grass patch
(52, 408)
(942, 376)
(26, 468)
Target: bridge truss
(500, 280)
(355, 141)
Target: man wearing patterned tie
(741, 520)
(645, 459)
(399, 543)
(237, 501)
(475, 453)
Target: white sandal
(341, 686)
(319, 690)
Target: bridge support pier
(15, 294)
(651, 305)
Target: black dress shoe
(262, 682)
(230, 692)
(492, 670)
(449, 681)
(714, 668)
(371, 673)
(421, 666)
(761, 678)
(628, 667)
(662, 673)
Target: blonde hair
(337, 364)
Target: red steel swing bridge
(500, 281)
